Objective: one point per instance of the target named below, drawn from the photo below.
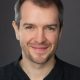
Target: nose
(40, 36)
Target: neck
(37, 71)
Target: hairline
(18, 11)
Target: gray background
(69, 46)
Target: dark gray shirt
(61, 71)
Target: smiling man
(38, 32)
(38, 27)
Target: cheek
(52, 38)
(25, 37)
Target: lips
(39, 49)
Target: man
(38, 27)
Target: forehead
(31, 11)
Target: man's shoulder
(70, 71)
(70, 67)
(7, 67)
(6, 71)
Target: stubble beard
(41, 59)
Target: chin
(41, 59)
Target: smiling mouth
(39, 49)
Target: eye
(29, 27)
(51, 27)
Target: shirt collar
(55, 74)
(57, 71)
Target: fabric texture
(61, 71)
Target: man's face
(38, 32)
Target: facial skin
(38, 32)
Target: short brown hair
(40, 3)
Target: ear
(16, 29)
(60, 33)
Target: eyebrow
(30, 24)
(27, 24)
(55, 25)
